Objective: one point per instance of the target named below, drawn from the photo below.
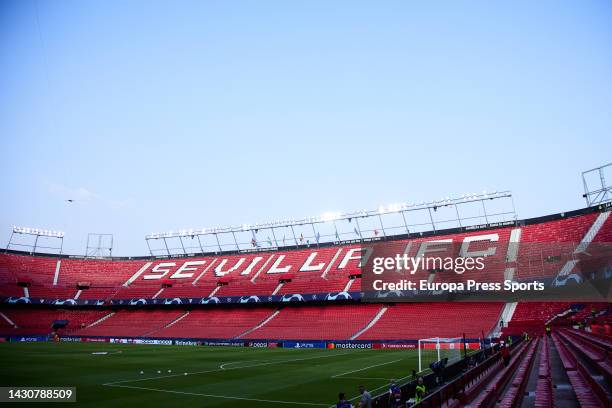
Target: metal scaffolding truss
(596, 189)
(335, 227)
(99, 245)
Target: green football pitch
(196, 376)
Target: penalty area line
(365, 368)
(313, 404)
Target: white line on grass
(365, 368)
(221, 396)
(224, 369)
(222, 366)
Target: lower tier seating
(39, 321)
(216, 323)
(422, 320)
(337, 322)
(303, 322)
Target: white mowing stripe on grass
(314, 404)
(226, 369)
(365, 368)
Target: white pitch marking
(231, 368)
(221, 396)
(365, 368)
(105, 353)
(222, 366)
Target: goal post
(437, 348)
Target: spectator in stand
(366, 398)
(395, 395)
(419, 391)
(343, 402)
(505, 352)
(471, 362)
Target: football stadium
(223, 124)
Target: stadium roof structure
(364, 225)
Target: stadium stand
(305, 270)
(40, 321)
(132, 323)
(317, 322)
(580, 360)
(531, 317)
(313, 270)
(216, 324)
(422, 320)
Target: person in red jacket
(505, 352)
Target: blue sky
(159, 115)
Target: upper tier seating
(311, 270)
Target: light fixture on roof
(330, 216)
(37, 232)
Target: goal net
(439, 348)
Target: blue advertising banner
(304, 344)
(317, 297)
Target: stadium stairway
(7, 322)
(263, 323)
(100, 320)
(371, 323)
(172, 323)
(506, 316)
